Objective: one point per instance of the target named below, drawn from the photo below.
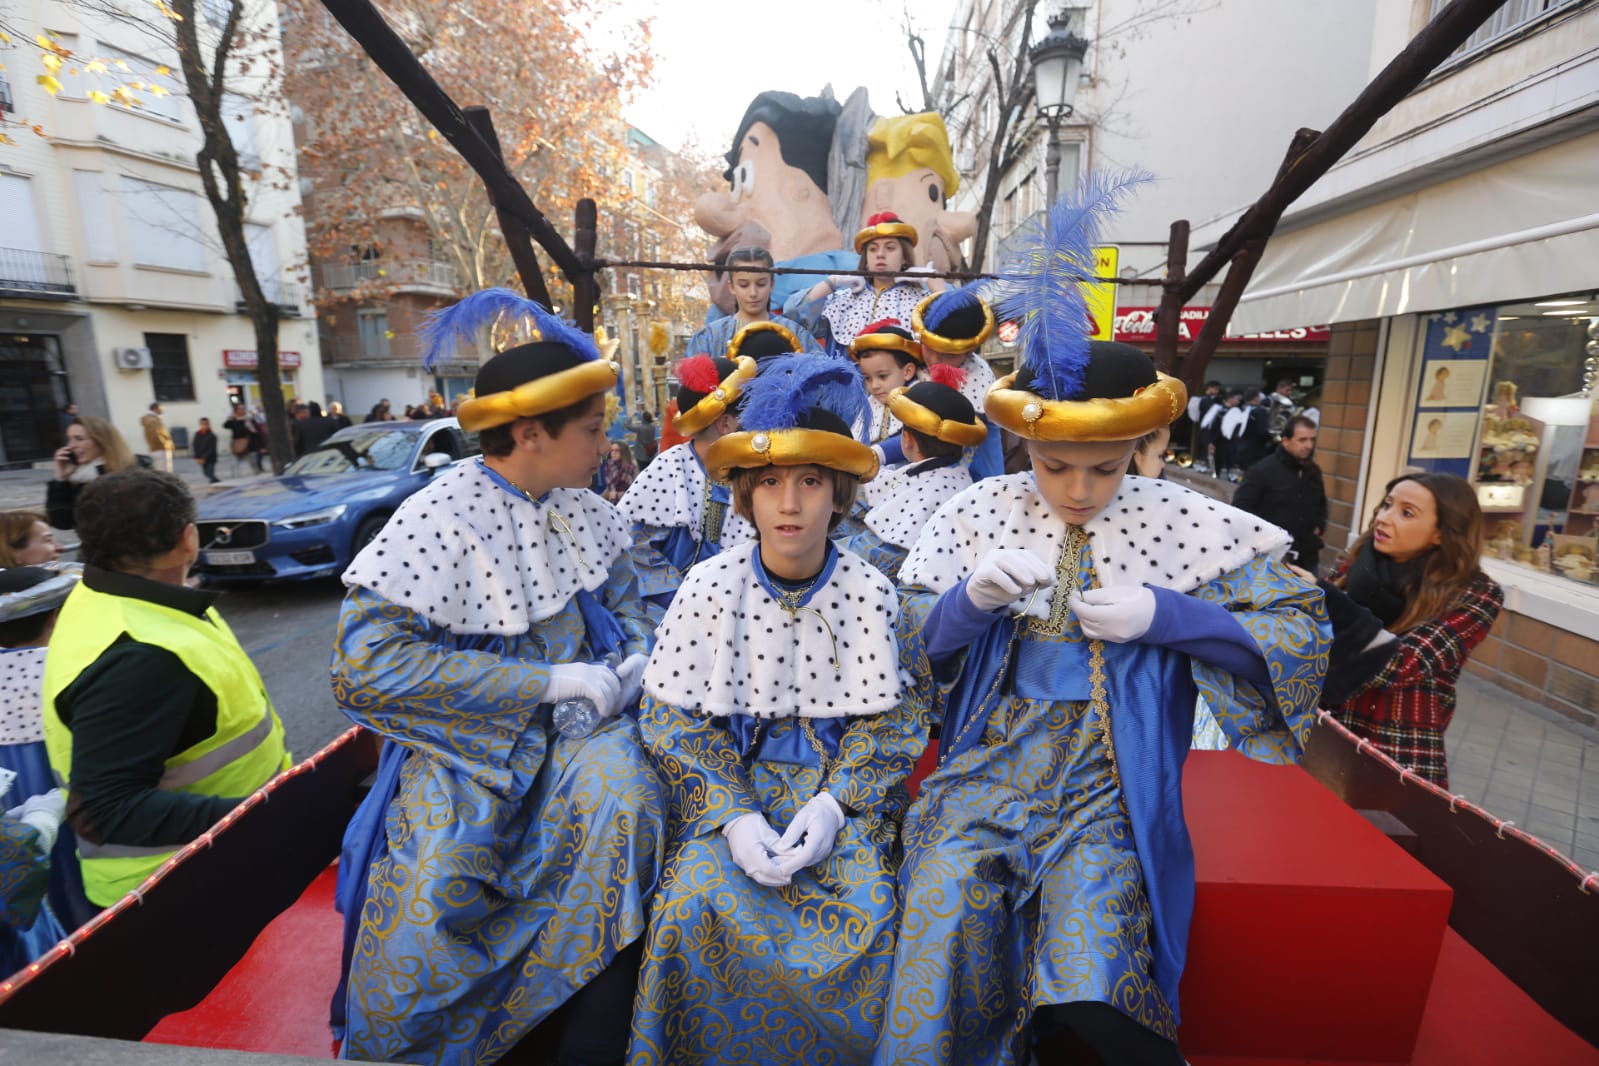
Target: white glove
(818, 822)
(752, 841)
(1005, 575)
(1119, 615)
(45, 812)
(851, 282)
(631, 676)
(585, 681)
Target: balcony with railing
(395, 275)
(38, 275)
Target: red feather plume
(882, 217)
(950, 376)
(873, 327)
(698, 373)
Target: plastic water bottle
(577, 718)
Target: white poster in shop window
(1444, 435)
(1452, 382)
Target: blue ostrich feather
(947, 304)
(1048, 260)
(788, 387)
(460, 323)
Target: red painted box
(1314, 935)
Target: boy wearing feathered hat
(775, 709)
(951, 326)
(500, 867)
(1048, 881)
(840, 307)
(938, 431)
(889, 358)
(680, 514)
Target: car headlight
(314, 518)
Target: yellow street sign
(1101, 296)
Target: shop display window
(1505, 399)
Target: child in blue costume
(499, 869)
(889, 358)
(1048, 878)
(775, 710)
(939, 429)
(680, 516)
(752, 292)
(951, 326)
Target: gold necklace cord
(808, 730)
(794, 612)
(558, 523)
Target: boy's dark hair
(131, 517)
(845, 487)
(500, 441)
(20, 631)
(932, 447)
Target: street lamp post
(1057, 63)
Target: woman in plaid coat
(1408, 605)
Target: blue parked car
(327, 505)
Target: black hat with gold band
(560, 367)
(708, 389)
(798, 411)
(762, 340)
(886, 335)
(937, 408)
(885, 224)
(953, 322)
(1070, 388)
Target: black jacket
(1289, 494)
(204, 445)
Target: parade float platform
(1317, 939)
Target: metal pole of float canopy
(1310, 156)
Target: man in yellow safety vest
(154, 717)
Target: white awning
(1523, 228)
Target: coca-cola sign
(1137, 326)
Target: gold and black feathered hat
(953, 322)
(559, 367)
(937, 408)
(1070, 388)
(798, 411)
(885, 224)
(763, 340)
(708, 388)
(886, 335)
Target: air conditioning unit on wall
(132, 358)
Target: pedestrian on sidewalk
(1286, 489)
(247, 434)
(205, 450)
(93, 447)
(1407, 607)
(156, 436)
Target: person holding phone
(93, 447)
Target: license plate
(229, 558)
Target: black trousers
(1081, 1034)
(593, 1027)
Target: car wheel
(367, 532)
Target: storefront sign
(1100, 297)
(1137, 325)
(240, 359)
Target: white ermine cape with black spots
(669, 493)
(21, 695)
(472, 557)
(1152, 533)
(908, 499)
(727, 647)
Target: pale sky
(712, 58)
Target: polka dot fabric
(668, 494)
(727, 647)
(913, 495)
(469, 556)
(848, 311)
(1153, 532)
(21, 695)
(979, 376)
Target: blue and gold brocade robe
(505, 865)
(736, 972)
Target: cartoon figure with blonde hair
(910, 171)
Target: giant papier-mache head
(798, 411)
(558, 367)
(1070, 388)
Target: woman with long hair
(93, 447)
(1408, 605)
(26, 540)
(617, 472)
